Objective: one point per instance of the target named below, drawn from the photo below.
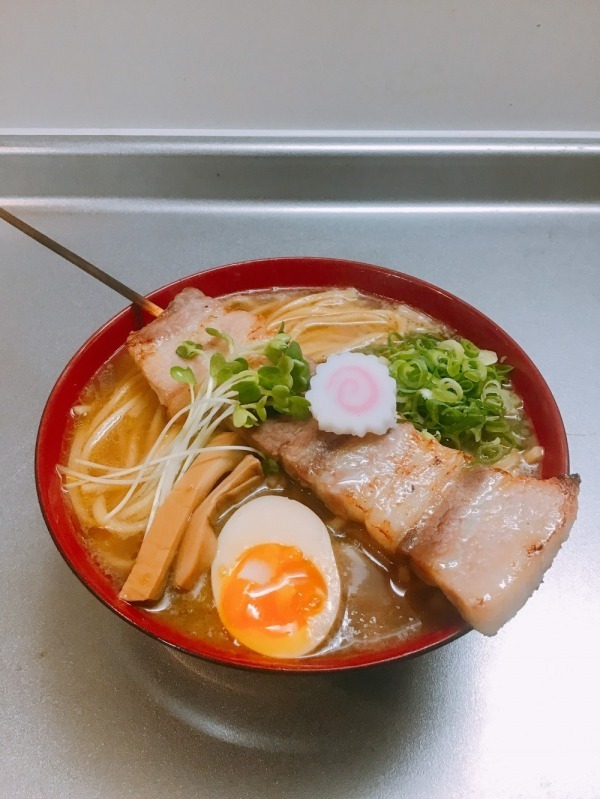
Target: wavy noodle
(119, 423)
(325, 322)
(115, 426)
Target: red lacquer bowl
(265, 274)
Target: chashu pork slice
(483, 536)
(186, 318)
(391, 483)
(490, 544)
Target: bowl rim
(62, 524)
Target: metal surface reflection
(285, 713)
(91, 708)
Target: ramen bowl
(284, 273)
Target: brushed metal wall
(303, 65)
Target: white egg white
(278, 520)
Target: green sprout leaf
(222, 370)
(276, 387)
(183, 375)
(299, 408)
(242, 417)
(271, 376)
(212, 331)
(217, 364)
(248, 391)
(276, 346)
(188, 350)
(261, 409)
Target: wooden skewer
(88, 267)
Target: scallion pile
(457, 393)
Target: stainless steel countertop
(91, 707)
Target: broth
(381, 599)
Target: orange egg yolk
(271, 593)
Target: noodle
(325, 322)
(107, 432)
(115, 475)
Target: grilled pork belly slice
(391, 483)
(483, 536)
(186, 318)
(489, 545)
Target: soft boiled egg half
(274, 578)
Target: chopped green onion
(269, 466)
(457, 393)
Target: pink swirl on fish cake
(354, 388)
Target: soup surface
(119, 420)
